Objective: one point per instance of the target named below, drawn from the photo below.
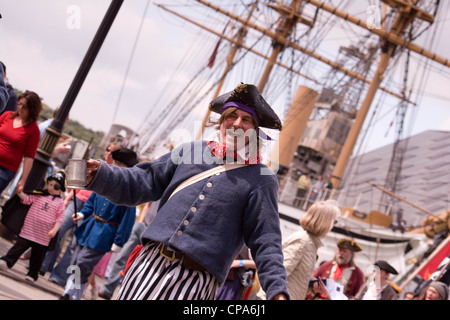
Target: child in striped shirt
(42, 223)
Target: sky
(42, 43)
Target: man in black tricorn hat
(378, 287)
(215, 196)
(241, 141)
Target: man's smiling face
(235, 127)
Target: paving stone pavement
(13, 285)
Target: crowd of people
(208, 226)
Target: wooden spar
(287, 24)
(388, 36)
(237, 43)
(285, 42)
(425, 262)
(405, 201)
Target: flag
(214, 54)
(432, 266)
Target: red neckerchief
(220, 152)
(338, 272)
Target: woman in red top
(19, 138)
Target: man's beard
(342, 260)
(244, 143)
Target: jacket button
(201, 197)
(186, 222)
(209, 184)
(179, 232)
(193, 209)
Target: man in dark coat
(378, 287)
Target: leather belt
(170, 255)
(99, 219)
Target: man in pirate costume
(200, 228)
(342, 269)
(380, 288)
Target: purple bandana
(242, 107)
(247, 109)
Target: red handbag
(131, 258)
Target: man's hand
(91, 169)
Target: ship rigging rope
(191, 54)
(315, 38)
(317, 41)
(275, 86)
(170, 109)
(169, 84)
(133, 50)
(181, 115)
(353, 172)
(148, 128)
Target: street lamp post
(53, 132)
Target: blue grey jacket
(211, 219)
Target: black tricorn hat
(60, 178)
(383, 265)
(127, 156)
(249, 95)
